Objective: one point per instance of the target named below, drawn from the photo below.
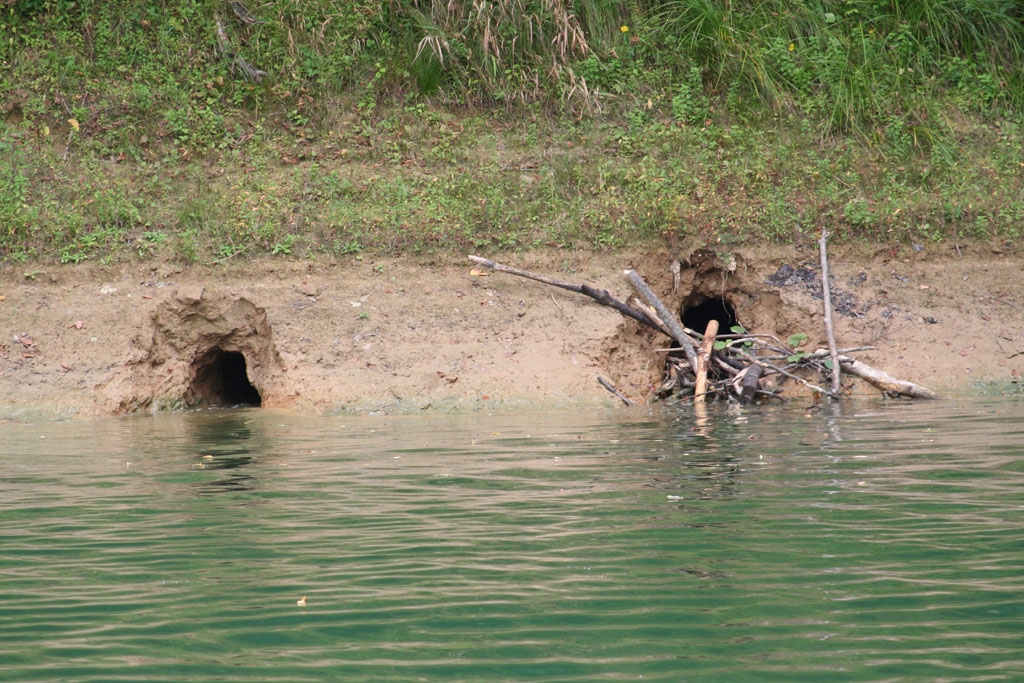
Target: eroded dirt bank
(398, 335)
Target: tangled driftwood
(707, 364)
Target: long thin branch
(775, 368)
(601, 296)
(827, 294)
(821, 353)
(610, 387)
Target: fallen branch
(884, 380)
(671, 321)
(601, 296)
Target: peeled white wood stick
(704, 360)
(827, 294)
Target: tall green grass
(853, 65)
(717, 116)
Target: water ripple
(879, 542)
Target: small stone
(189, 294)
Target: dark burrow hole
(221, 379)
(698, 316)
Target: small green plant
(795, 341)
(150, 242)
(284, 245)
(349, 248)
(737, 330)
(690, 104)
(16, 215)
(858, 212)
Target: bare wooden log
(608, 385)
(746, 383)
(704, 360)
(827, 295)
(671, 321)
(601, 296)
(884, 381)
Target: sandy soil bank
(402, 335)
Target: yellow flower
(624, 29)
(792, 47)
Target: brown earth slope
(397, 335)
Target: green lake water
(869, 542)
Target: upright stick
(704, 360)
(827, 294)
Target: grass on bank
(407, 127)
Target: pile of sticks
(707, 365)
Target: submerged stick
(601, 296)
(885, 381)
(747, 385)
(827, 295)
(671, 321)
(610, 387)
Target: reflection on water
(872, 541)
(225, 441)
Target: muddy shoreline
(401, 335)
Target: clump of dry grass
(508, 51)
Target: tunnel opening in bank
(697, 314)
(221, 379)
